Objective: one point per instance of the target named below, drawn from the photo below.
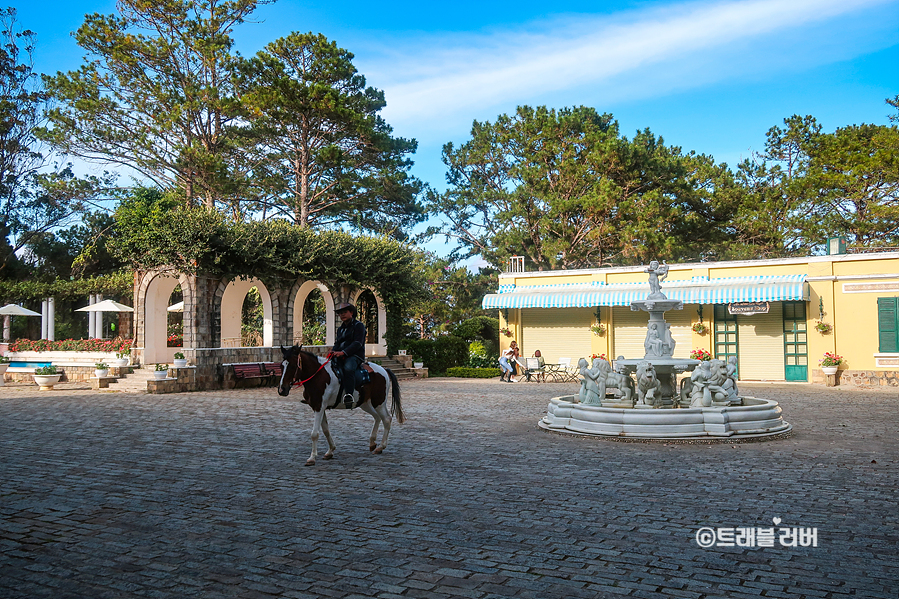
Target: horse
(320, 391)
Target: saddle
(362, 375)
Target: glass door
(795, 341)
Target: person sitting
(349, 350)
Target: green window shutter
(888, 324)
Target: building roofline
(693, 265)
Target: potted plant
(4, 364)
(161, 372)
(46, 377)
(701, 355)
(823, 327)
(121, 359)
(505, 331)
(700, 328)
(599, 329)
(180, 360)
(830, 363)
(101, 369)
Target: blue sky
(707, 76)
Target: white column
(44, 318)
(7, 322)
(90, 317)
(98, 319)
(51, 323)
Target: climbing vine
(119, 284)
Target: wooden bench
(260, 370)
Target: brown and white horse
(320, 391)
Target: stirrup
(348, 400)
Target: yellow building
(778, 317)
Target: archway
(308, 290)
(372, 314)
(231, 309)
(155, 314)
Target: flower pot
(180, 363)
(120, 362)
(3, 368)
(830, 369)
(46, 381)
(418, 364)
(101, 373)
(160, 374)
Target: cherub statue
(657, 274)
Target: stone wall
(860, 378)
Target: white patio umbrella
(106, 306)
(179, 307)
(15, 310)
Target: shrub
(473, 373)
(439, 354)
(45, 370)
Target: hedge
(117, 345)
(473, 373)
(439, 354)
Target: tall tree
(322, 154)
(565, 190)
(156, 94)
(36, 195)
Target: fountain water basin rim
(755, 418)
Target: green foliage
(162, 367)
(324, 156)
(480, 328)
(473, 373)
(439, 354)
(156, 94)
(118, 284)
(454, 295)
(565, 190)
(46, 370)
(479, 356)
(101, 366)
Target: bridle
(321, 367)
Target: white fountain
(649, 406)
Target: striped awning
(698, 290)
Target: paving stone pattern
(116, 495)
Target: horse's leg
(384, 413)
(368, 409)
(316, 429)
(327, 431)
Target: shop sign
(749, 308)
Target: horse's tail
(396, 406)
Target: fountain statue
(610, 402)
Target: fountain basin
(755, 418)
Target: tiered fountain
(649, 405)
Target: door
(795, 341)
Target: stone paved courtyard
(205, 495)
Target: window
(888, 324)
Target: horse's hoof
(379, 450)
(372, 447)
(310, 462)
(329, 455)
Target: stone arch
(379, 347)
(152, 302)
(299, 295)
(229, 308)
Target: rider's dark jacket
(350, 338)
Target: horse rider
(349, 350)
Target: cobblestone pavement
(205, 495)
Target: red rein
(301, 383)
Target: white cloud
(443, 79)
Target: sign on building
(749, 308)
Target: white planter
(180, 363)
(3, 368)
(101, 373)
(119, 362)
(830, 369)
(46, 381)
(418, 364)
(160, 374)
